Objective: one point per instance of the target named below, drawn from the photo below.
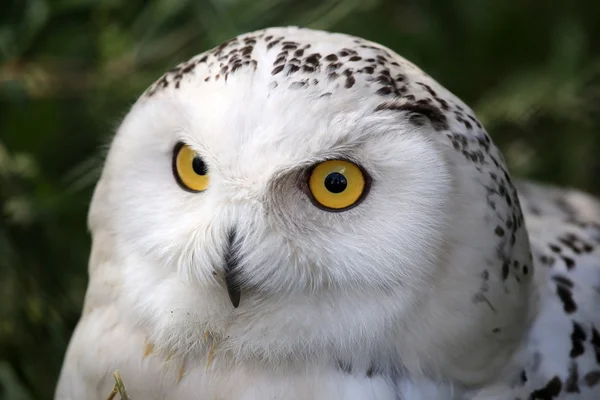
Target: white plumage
(424, 284)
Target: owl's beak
(231, 264)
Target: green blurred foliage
(69, 70)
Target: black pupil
(336, 182)
(199, 166)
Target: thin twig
(120, 386)
(113, 393)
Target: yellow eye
(190, 170)
(337, 184)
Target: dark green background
(69, 70)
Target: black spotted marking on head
(578, 337)
(281, 58)
(384, 91)
(350, 81)
(436, 118)
(334, 66)
(288, 45)
(274, 42)
(299, 84)
(444, 104)
(313, 59)
(277, 69)
(222, 61)
(548, 392)
(292, 69)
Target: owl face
(279, 192)
(296, 172)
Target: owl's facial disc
(332, 185)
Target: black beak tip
(234, 294)
(231, 266)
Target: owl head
(312, 196)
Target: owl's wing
(103, 343)
(90, 359)
(545, 201)
(106, 340)
(561, 358)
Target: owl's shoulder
(561, 358)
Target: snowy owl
(304, 215)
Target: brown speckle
(148, 349)
(181, 373)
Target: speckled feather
(563, 351)
(446, 283)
